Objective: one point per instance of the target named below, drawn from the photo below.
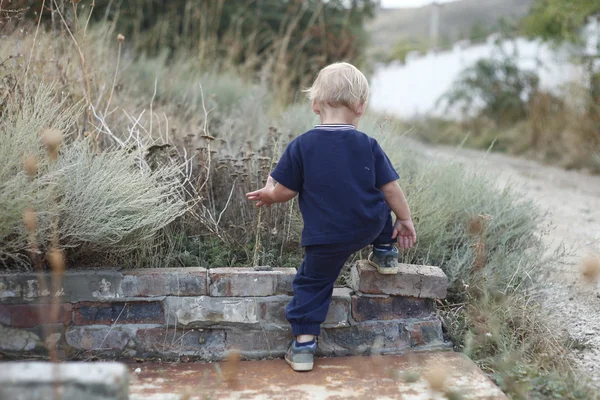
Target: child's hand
(404, 230)
(264, 196)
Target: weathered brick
(422, 333)
(366, 308)
(138, 312)
(5, 315)
(85, 285)
(412, 280)
(205, 311)
(9, 288)
(157, 282)
(202, 344)
(247, 282)
(30, 315)
(99, 337)
(272, 309)
(382, 337)
(256, 344)
(339, 309)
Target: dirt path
(572, 201)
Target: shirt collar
(335, 127)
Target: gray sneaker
(301, 358)
(386, 261)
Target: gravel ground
(572, 202)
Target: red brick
(423, 333)
(127, 312)
(368, 308)
(30, 315)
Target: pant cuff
(308, 329)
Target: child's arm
(273, 192)
(404, 229)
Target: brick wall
(199, 314)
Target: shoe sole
(300, 367)
(384, 271)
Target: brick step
(419, 281)
(203, 314)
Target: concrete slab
(70, 381)
(407, 377)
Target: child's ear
(315, 107)
(360, 110)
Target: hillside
(457, 20)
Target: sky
(409, 3)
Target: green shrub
(495, 88)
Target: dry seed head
(437, 377)
(30, 165)
(590, 269)
(120, 38)
(52, 138)
(56, 258)
(30, 219)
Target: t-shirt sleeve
(384, 170)
(289, 171)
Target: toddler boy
(346, 186)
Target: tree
(559, 20)
(498, 85)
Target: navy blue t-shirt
(338, 172)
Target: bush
(110, 205)
(494, 88)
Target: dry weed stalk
(120, 40)
(87, 92)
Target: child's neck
(338, 115)
(336, 121)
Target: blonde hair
(340, 84)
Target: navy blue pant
(313, 284)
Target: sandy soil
(572, 202)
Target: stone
(89, 381)
(30, 315)
(169, 343)
(412, 280)
(254, 344)
(99, 337)
(248, 282)
(128, 312)
(367, 308)
(423, 333)
(52, 340)
(339, 309)
(18, 340)
(365, 338)
(157, 282)
(204, 311)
